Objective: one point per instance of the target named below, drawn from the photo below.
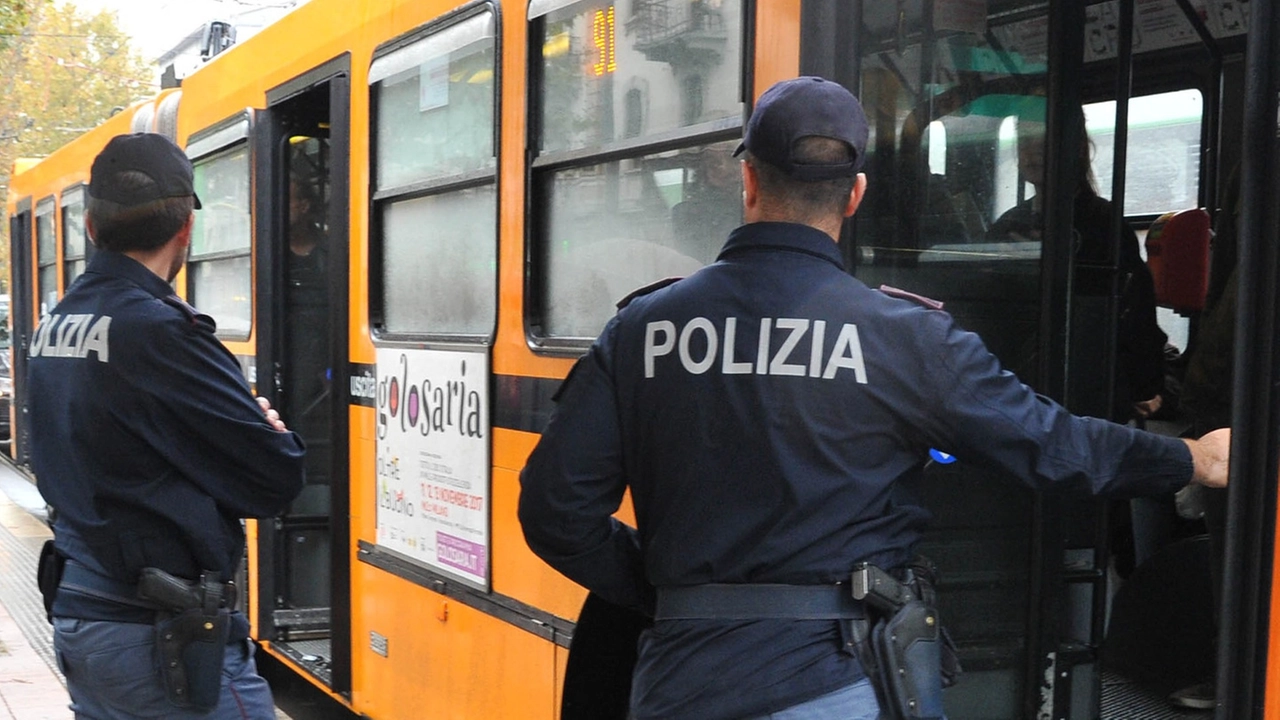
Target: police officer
(761, 411)
(150, 448)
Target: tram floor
(1124, 699)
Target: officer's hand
(273, 417)
(1212, 455)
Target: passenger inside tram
(1140, 343)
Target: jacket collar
(119, 265)
(782, 236)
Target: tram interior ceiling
(419, 217)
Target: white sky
(157, 25)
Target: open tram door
(959, 209)
(303, 601)
(22, 319)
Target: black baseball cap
(806, 107)
(151, 154)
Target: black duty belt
(79, 579)
(758, 602)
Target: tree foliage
(64, 71)
(14, 16)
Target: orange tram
(417, 213)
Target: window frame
(79, 193)
(542, 167)
(47, 206)
(434, 186)
(218, 140)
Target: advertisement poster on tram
(433, 460)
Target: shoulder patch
(905, 295)
(651, 287)
(195, 317)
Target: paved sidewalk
(30, 687)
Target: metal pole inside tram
(1251, 503)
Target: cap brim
(197, 199)
(742, 146)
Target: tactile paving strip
(18, 592)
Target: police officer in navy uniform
(761, 411)
(150, 447)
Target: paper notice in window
(433, 84)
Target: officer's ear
(89, 230)
(855, 195)
(185, 232)
(750, 189)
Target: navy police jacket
(761, 411)
(145, 436)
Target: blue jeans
(113, 673)
(855, 702)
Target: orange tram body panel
(418, 213)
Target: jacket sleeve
(986, 414)
(209, 426)
(573, 482)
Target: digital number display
(604, 37)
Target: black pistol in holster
(192, 629)
(903, 648)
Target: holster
(908, 648)
(191, 640)
(905, 651)
(49, 575)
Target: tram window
(435, 189)
(684, 56)
(435, 105)
(662, 73)
(46, 257)
(433, 281)
(617, 226)
(73, 235)
(220, 266)
(1162, 171)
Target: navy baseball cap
(151, 154)
(806, 107)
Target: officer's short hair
(141, 192)
(145, 226)
(806, 139)
(806, 201)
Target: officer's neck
(831, 227)
(166, 260)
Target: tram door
(22, 322)
(302, 301)
(958, 194)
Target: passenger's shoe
(1200, 696)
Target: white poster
(433, 84)
(433, 459)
